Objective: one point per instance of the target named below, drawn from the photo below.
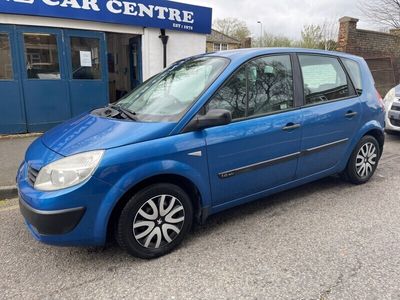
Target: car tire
(155, 221)
(363, 161)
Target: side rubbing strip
(259, 165)
(267, 163)
(323, 147)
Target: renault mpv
(210, 132)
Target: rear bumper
(51, 222)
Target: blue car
(209, 133)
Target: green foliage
(312, 36)
(233, 27)
(270, 40)
(317, 37)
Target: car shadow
(271, 206)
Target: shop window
(6, 71)
(85, 56)
(41, 56)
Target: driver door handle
(351, 114)
(291, 126)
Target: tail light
(380, 99)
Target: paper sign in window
(86, 58)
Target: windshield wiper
(130, 114)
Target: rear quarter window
(353, 68)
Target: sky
(284, 17)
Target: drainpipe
(164, 39)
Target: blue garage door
(12, 109)
(57, 74)
(86, 61)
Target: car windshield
(167, 96)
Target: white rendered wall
(180, 45)
(66, 23)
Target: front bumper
(54, 222)
(393, 117)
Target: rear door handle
(291, 126)
(351, 114)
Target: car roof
(248, 53)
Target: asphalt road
(326, 240)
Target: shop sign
(147, 13)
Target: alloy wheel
(366, 159)
(159, 221)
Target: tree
(311, 36)
(383, 12)
(270, 40)
(319, 36)
(233, 27)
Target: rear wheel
(155, 221)
(363, 161)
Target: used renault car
(210, 132)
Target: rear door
(259, 150)
(12, 118)
(331, 113)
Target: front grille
(395, 107)
(395, 122)
(32, 174)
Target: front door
(331, 114)
(87, 70)
(260, 149)
(12, 109)
(43, 76)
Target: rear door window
(324, 79)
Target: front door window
(41, 56)
(262, 86)
(6, 70)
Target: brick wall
(381, 51)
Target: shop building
(59, 59)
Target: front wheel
(363, 161)
(155, 221)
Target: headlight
(390, 96)
(68, 171)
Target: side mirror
(214, 117)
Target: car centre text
(126, 8)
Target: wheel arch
(200, 211)
(372, 128)
(379, 135)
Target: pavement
(325, 240)
(12, 152)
